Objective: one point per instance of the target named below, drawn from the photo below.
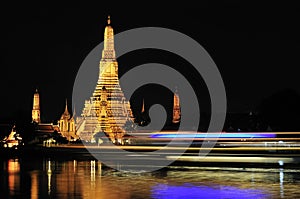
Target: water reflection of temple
(13, 168)
(89, 179)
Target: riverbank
(273, 157)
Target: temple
(107, 110)
(66, 124)
(36, 108)
(176, 108)
(144, 118)
(42, 131)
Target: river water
(50, 178)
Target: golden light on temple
(143, 107)
(108, 20)
(176, 108)
(107, 110)
(66, 124)
(36, 117)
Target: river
(57, 178)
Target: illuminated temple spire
(108, 67)
(66, 113)
(143, 107)
(74, 112)
(108, 20)
(176, 108)
(36, 107)
(66, 124)
(107, 110)
(108, 52)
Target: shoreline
(233, 157)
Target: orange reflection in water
(34, 185)
(88, 179)
(83, 179)
(13, 169)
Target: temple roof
(66, 114)
(44, 128)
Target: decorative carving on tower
(102, 114)
(176, 108)
(107, 110)
(36, 113)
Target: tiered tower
(107, 110)
(176, 108)
(36, 108)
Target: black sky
(254, 45)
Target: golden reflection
(90, 180)
(74, 166)
(93, 172)
(13, 168)
(49, 172)
(34, 185)
(57, 179)
(281, 178)
(100, 168)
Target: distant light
(281, 163)
(216, 135)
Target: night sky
(255, 47)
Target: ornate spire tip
(108, 20)
(66, 107)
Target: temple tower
(36, 113)
(66, 124)
(108, 67)
(143, 107)
(107, 110)
(176, 108)
(144, 119)
(104, 124)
